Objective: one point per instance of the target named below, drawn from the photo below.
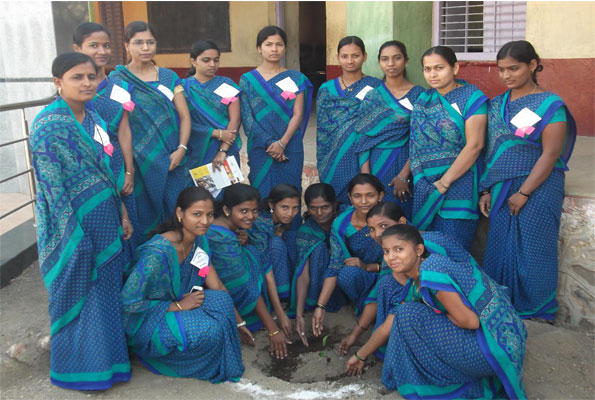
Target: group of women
(405, 173)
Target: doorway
(312, 20)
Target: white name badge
(224, 90)
(362, 93)
(406, 103)
(454, 105)
(525, 118)
(168, 93)
(101, 136)
(119, 94)
(200, 259)
(287, 85)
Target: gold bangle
(179, 306)
(128, 173)
(220, 134)
(378, 264)
(274, 333)
(124, 219)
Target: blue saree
(427, 356)
(336, 138)
(437, 138)
(522, 251)
(208, 113)
(280, 252)
(384, 137)
(201, 343)
(79, 240)
(347, 242)
(313, 247)
(242, 271)
(265, 115)
(154, 123)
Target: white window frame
(490, 19)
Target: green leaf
(322, 354)
(324, 340)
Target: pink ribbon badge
(228, 100)
(288, 95)
(109, 149)
(526, 130)
(204, 271)
(128, 106)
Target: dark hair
(386, 209)
(398, 45)
(352, 40)
(362, 179)
(65, 61)
(442, 51)
(280, 192)
(135, 27)
(317, 190)
(197, 49)
(85, 30)
(270, 30)
(234, 195)
(186, 198)
(405, 232)
(522, 51)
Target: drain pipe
(280, 22)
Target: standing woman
(80, 227)
(384, 126)
(160, 124)
(531, 135)
(214, 109)
(337, 106)
(94, 40)
(448, 126)
(276, 105)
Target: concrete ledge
(18, 250)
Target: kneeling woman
(172, 328)
(458, 337)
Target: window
(475, 30)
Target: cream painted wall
(336, 28)
(292, 29)
(561, 29)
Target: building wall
(336, 28)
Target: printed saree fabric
(79, 239)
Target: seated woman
(272, 235)
(242, 268)
(458, 336)
(313, 253)
(355, 259)
(174, 329)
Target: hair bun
(539, 68)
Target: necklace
(183, 248)
(534, 87)
(348, 89)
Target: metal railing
(25, 132)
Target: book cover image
(214, 180)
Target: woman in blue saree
(272, 235)
(447, 134)
(214, 109)
(276, 104)
(173, 325)
(383, 147)
(242, 268)
(337, 105)
(531, 135)
(313, 255)
(160, 125)
(81, 228)
(456, 335)
(112, 103)
(355, 259)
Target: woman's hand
(485, 203)
(243, 237)
(128, 185)
(317, 320)
(277, 345)
(276, 152)
(175, 158)
(300, 327)
(354, 366)
(127, 228)
(440, 186)
(218, 160)
(355, 262)
(246, 336)
(227, 136)
(192, 300)
(285, 325)
(346, 344)
(516, 202)
(400, 189)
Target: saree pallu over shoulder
(337, 112)
(155, 133)
(208, 112)
(79, 240)
(265, 115)
(437, 138)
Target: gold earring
(226, 214)
(180, 219)
(59, 91)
